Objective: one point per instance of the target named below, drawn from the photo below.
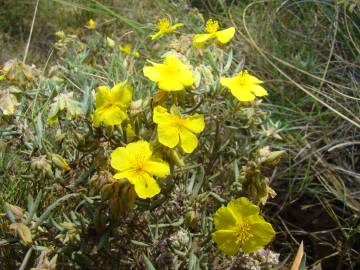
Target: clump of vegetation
(142, 144)
(118, 164)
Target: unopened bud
(60, 162)
(23, 232)
(16, 210)
(110, 42)
(274, 157)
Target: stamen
(242, 231)
(211, 26)
(163, 24)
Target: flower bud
(274, 157)
(23, 232)
(60, 162)
(110, 42)
(16, 210)
(191, 219)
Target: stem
(31, 30)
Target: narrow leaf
(148, 263)
(298, 257)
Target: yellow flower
(135, 163)
(91, 24)
(165, 27)
(173, 128)
(111, 104)
(127, 48)
(172, 75)
(212, 27)
(244, 86)
(239, 226)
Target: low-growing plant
(134, 152)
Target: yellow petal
(102, 96)
(156, 35)
(194, 123)
(168, 135)
(227, 82)
(186, 77)
(176, 25)
(264, 230)
(188, 140)
(224, 36)
(157, 168)
(170, 84)
(120, 159)
(145, 185)
(139, 150)
(110, 116)
(262, 235)
(225, 240)
(161, 115)
(121, 94)
(200, 39)
(249, 79)
(242, 93)
(152, 73)
(242, 208)
(224, 219)
(258, 90)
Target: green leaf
(38, 131)
(201, 178)
(148, 263)
(141, 244)
(229, 61)
(193, 262)
(52, 207)
(33, 206)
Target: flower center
(170, 67)
(241, 77)
(243, 231)
(177, 121)
(138, 163)
(163, 24)
(211, 26)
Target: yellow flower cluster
(238, 225)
